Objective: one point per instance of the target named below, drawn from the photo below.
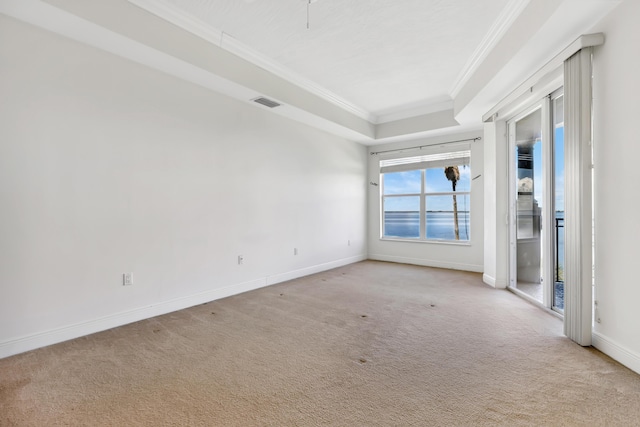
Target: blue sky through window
(435, 182)
(402, 182)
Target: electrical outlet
(295, 251)
(348, 242)
(127, 279)
(240, 260)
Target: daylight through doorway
(536, 140)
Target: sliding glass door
(537, 205)
(525, 134)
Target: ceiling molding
(413, 125)
(584, 41)
(238, 48)
(226, 41)
(181, 19)
(500, 26)
(65, 24)
(224, 65)
(419, 109)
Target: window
(427, 197)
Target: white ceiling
(379, 55)
(373, 71)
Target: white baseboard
(290, 275)
(428, 263)
(54, 336)
(492, 281)
(616, 351)
(489, 280)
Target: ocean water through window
(426, 197)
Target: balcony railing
(559, 262)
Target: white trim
(493, 282)
(581, 42)
(616, 351)
(54, 336)
(290, 275)
(489, 280)
(428, 263)
(426, 161)
(181, 19)
(548, 211)
(65, 333)
(434, 241)
(414, 110)
(63, 23)
(511, 201)
(504, 21)
(236, 47)
(56, 20)
(175, 16)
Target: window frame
(423, 195)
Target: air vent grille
(266, 102)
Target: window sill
(437, 242)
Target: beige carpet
(370, 344)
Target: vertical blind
(578, 232)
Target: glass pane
(445, 214)
(437, 181)
(558, 172)
(401, 217)
(529, 205)
(402, 182)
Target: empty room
(319, 212)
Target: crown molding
(227, 42)
(542, 80)
(418, 109)
(238, 48)
(500, 26)
(181, 19)
(64, 23)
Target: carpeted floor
(370, 344)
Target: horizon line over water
(439, 225)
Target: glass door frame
(552, 221)
(547, 232)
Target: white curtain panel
(578, 209)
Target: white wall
(616, 154)
(109, 167)
(496, 205)
(446, 255)
(617, 230)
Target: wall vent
(266, 102)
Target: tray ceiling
(371, 71)
(379, 55)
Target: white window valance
(425, 161)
